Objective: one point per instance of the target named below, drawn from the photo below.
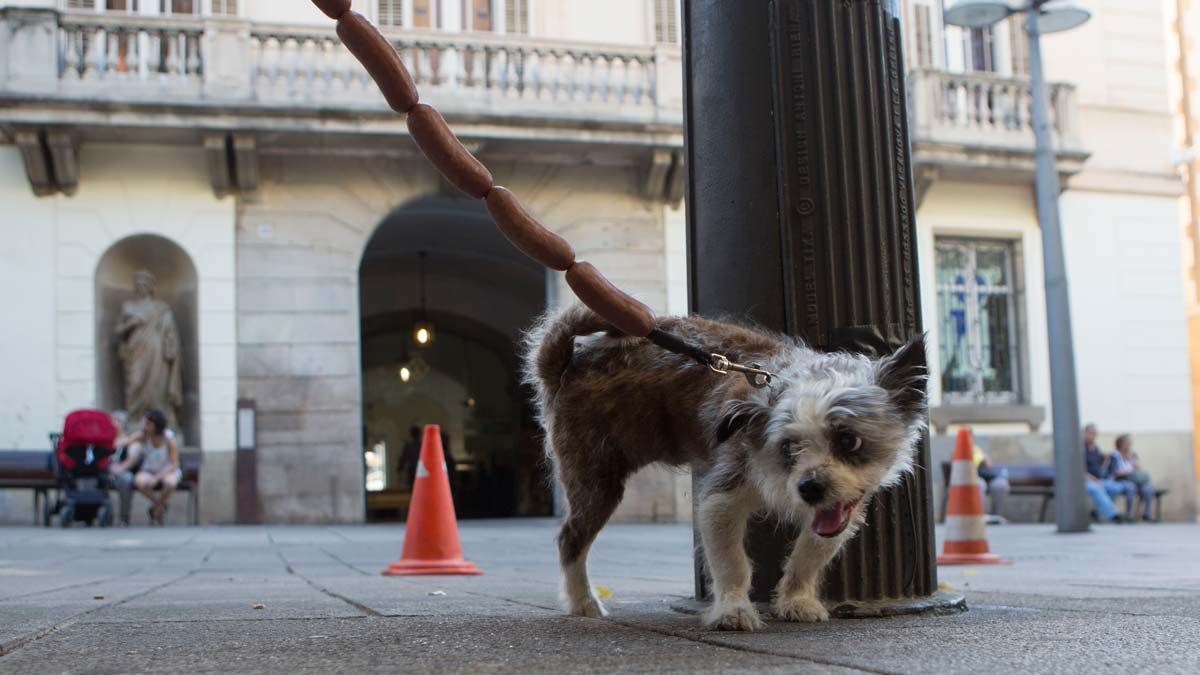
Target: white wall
(1127, 307)
(27, 265)
(124, 190)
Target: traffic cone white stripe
(962, 473)
(965, 528)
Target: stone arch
(177, 284)
(481, 294)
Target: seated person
(122, 469)
(1096, 481)
(160, 469)
(992, 481)
(1125, 469)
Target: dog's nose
(811, 490)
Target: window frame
(1017, 330)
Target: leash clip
(754, 374)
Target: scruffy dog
(812, 448)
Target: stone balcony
(237, 87)
(978, 126)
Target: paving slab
(312, 599)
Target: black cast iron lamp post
(1048, 16)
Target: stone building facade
(241, 136)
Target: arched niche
(175, 284)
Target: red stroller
(81, 458)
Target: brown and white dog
(812, 448)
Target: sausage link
(443, 149)
(379, 58)
(614, 305)
(333, 9)
(526, 233)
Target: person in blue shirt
(1100, 487)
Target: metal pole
(801, 218)
(1070, 498)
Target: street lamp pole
(1070, 498)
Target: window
(977, 315)
(981, 49)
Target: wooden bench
(28, 470)
(34, 470)
(1034, 480)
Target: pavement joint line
(351, 567)
(13, 645)
(367, 611)
(1075, 610)
(686, 636)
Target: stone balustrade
(131, 59)
(986, 111)
(291, 64)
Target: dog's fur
(834, 426)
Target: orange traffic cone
(966, 540)
(431, 544)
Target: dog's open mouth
(832, 520)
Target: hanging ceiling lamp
(411, 369)
(423, 333)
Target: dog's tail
(551, 342)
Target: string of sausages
(443, 149)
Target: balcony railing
(288, 64)
(985, 111)
(171, 60)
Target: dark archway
(177, 285)
(480, 294)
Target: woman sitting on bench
(160, 470)
(1124, 468)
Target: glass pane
(991, 265)
(952, 263)
(995, 336)
(953, 347)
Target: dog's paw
(801, 609)
(589, 607)
(740, 617)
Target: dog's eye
(847, 441)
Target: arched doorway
(439, 263)
(175, 283)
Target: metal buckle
(754, 374)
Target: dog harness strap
(440, 146)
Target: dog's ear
(903, 375)
(737, 416)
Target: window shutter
(224, 7)
(665, 24)
(516, 17)
(1018, 46)
(81, 4)
(391, 13)
(922, 36)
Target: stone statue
(150, 353)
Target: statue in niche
(150, 353)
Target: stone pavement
(310, 599)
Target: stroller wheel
(105, 515)
(67, 515)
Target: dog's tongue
(830, 521)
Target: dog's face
(838, 429)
